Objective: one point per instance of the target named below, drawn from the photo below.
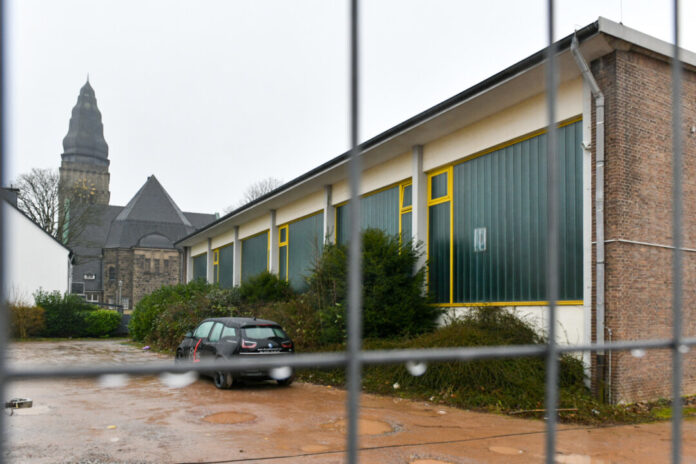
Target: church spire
(85, 139)
(84, 170)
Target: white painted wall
(570, 320)
(33, 259)
(516, 121)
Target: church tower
(84, 170)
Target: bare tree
(39, 198)
(256, 190)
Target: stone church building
(122, 252)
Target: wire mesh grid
(354, 358)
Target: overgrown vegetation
(501, 384)
(164, 316)
(393, 301)
(396, 316)
(26, 321)
(70, 316)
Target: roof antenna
(620, 11)
(87, 77)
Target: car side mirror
(189, 335)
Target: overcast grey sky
(212, 95)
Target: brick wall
(638, 207)
(152, 269)
(121, 261)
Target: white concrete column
(329, 217)
(419, 192)
(273, 245)
(237, 265)
(209, 262)
(188, 264)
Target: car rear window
(262, 332)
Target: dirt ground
(148, 420)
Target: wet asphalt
(150, 420)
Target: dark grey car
(226, 337)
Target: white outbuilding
(32, 258)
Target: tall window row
(300, 244)
(487, 224)
(486, 227)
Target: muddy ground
(147, 421)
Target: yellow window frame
(282, 244)
(449, 170)
(404, 209)
(216, 265)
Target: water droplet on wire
(178, 380)
(281, 373)
(113, 380)
(416, 368)
(637, 353)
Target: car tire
(223, 380)
(180, 357)
(285, 382)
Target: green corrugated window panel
(438, 186)
(254, 255)
(200, 266)
(407, 196)
(226, 265)
(439, 251)
(305, 242)
(283, 262)
(500, 222)
(406, 227)
(378, 211)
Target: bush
(101, 323)
(64, 314)
(393, 301)
(264, 288)
(504, 384)
(26, 321)
(163, 317)
(298, 317)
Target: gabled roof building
(467, 178)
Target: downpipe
(599, 193)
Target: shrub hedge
(101, 323)
(71, 316)
(164, 316)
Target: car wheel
(180, 357)
(285, 382)
(223, 380)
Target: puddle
(507, 451)
(365, 426)
(229, 418)
(314, 448)
(429, 461)
(578, 459)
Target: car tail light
(287, 344)
(248, 344)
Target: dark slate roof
(85, 139)
(200, 219)
(150, 219)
